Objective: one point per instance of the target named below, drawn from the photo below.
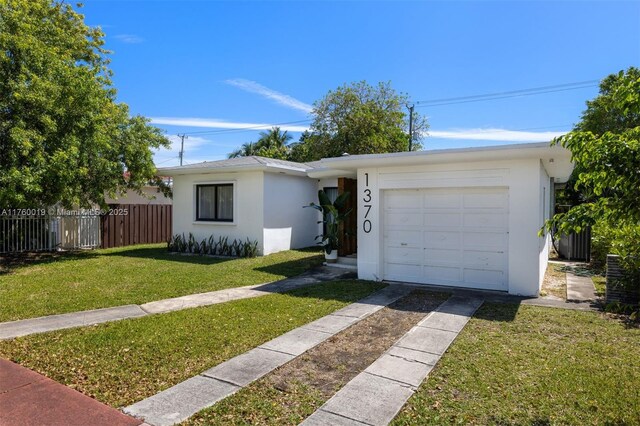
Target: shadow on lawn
(503, 312)
(289, 268)
(9, 263)
(161, 253)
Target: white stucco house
(458, 217)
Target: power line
(166, 161)
(508, 94)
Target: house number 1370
(366, 224)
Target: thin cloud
(129, 38)
(479, 134)
(280, 98)
(502, 135)
(221, 124)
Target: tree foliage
(362, 119)
(355, 118)
(63, 136)
(605, 147)
(271, 144)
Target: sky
(212, 69)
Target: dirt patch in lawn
(297, 389)
(555, 282)
(332, 364)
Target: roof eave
(560, 156)
(186, 170)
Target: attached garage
(457, 217)
(454, 236)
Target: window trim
(198, 219)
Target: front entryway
(348, 241)
(449, 236)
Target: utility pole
(410, 126)
(182, 138)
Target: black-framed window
(214, 202)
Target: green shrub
(212, 247)
(622, 240)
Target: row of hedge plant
(221, 246)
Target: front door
(348, 234)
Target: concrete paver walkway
(28, 398)
(187, 398)
(376, 395)
(580, 288)
(10, 330)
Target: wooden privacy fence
(129, 224)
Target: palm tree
(247, 149)
(270, 144)
(274, 138)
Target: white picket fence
(23, 233)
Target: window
(214, 202)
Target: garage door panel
(442, 239)
(485, 240)
(441, 256)
(443, 219)
(485, 259)
(401, 238)
(482, 278)
(485, 200)
(404, 200)
(485, 220)
(441, 200)
(439, 274)
(400, 272)
(404, 255)
(404, 219)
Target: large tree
(63, 136)
(358, 118)
(605, 146)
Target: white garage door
(455, 237)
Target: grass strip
(555, 282)
(532, 365)
(59, 283)
(600, 284)
(126, 361)
(294, 391)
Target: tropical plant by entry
(333, 214)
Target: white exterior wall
(287, 224)
(545, 213)
(248, 216)
(151, 196)
(521, 177)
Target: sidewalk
(10, 330)
(29, 399)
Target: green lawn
(535, 366)
(600, 283)
(126, 361)
(71, 282)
